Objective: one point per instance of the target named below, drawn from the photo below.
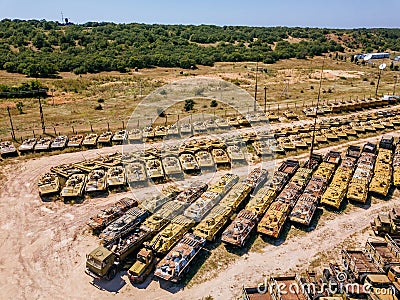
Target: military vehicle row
(372, 272)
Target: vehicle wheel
(111, 274)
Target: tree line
(40, 48)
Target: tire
(111, 274)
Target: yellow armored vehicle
(90, 140)
(105, 139)
(205, 160)
(358, 187)
(173, 130)
(186, 129)
(172, 166)
(48, 184)
(116, 177)
(298, 142)
(96, 181)
(163, 242)
(236, 196)
(262, 148)
(74, 187)
(59, 143)
(7, 149)
(232, 122)
(260, 202)
(199, 208)
(154, 169)
(148, 133)
(75, 141)
(382, 179)
(42, 144)
(275, 217)
(135, 173)
(221, 123)
(65, 170)
(160, 132)
(291, 115)
(135, 135)
(272, 117)
(220, 157)
(286, 144)
(209, 227)
(119, 137)
(164, 215)
(152, 204)
(189, 163)
(396, 166)
(87, 165)
(235, 153)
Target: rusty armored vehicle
(106, 216)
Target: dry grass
(75, 97)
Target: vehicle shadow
(112, 286)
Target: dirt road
(42, 254)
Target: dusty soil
(42, 255)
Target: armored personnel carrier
(232, 122)
(65, 170)
(106, 216)
(359, 184)
(75, 141)
(186, 129)
(49, 184)
(119, 137)
(275, 217)
(148, 133)
(272, 117)
(90, 140)
(210, 226)
(109, 160)
(163, 242)
(177, 261)
(192, 193)
(152, 204)
(173, 130)
(154, 169)
(236, 196)
(189, 163)
(396, 166)
(220, 157)
(260, 202)
(224, 184)
(286, 144)
(96, 181)
(210, 125)
(199, 208)
(43, 144)
(235, 153)
(105, 139)
(59, 143)
(387, 223)
(116, 177)
(74, 187)
(221, 123)
(123, 225)
(298, 142)
(262, 148)
(135, 172)
(382, 178)
(205, 160)
(291, 115)
(256, 178)
(105, 261)
(238, 232)
(135, 136)
(7, 149)
(172, 166)
(164, 215)
(336, 191)
(308, 201)
(87, 166)
(160, 132)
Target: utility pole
(255, 91)
(316, 114)
(41, 115)
(394, 87)
(11, 123)
(265, 99)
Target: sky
(303, 13)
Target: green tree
(189, 104)
(19, 106)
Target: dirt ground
(42, 254)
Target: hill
(44, 48)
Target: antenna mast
(316, 114)
(62, 18)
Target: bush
(372, 83)
(189, 104)
(213, 103)
(99, 107)
(19, 106)
(101, 100)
